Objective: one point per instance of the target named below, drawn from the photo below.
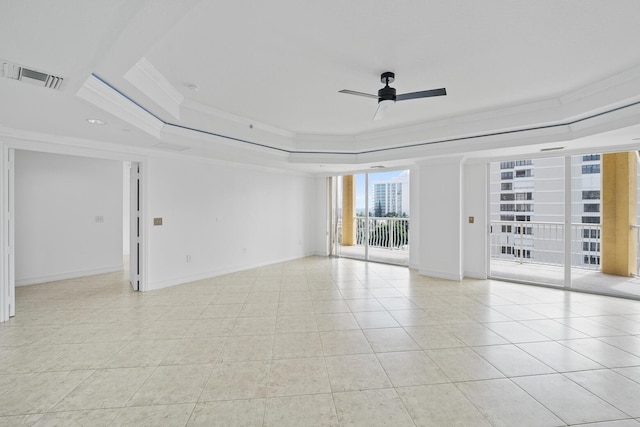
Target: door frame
(7, 231)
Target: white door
(135, 229)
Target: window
(506, 175)
(506, 217)
(506, 165)
(523, 230)
(523, 217)
(506, 229)
(524, 173)
(591, 220)
(591, 246)
(591, 259)
(524, 208)
(526, 253)
(510, 196)
(591, 234)
(590, 157)
(590, 169)
(591, 195)
(507, 207)
(524, 196)
(592, 207)
(506, 250)
(506, 186)
(524, 163)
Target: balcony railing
(543, 243)
(390, 233)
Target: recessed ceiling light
(96, 122)
(192, 87)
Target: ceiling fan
(387, 95)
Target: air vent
(27, 75)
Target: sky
(360, 188)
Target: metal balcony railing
(543, 243)
(391, 233)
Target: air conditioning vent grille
(27, 75)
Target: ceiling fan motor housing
(387, 93)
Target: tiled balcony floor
(384, 255)
(318, 342)
(581, 279)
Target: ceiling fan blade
(382, 109)
(353, 92)
(422, 94)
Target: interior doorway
(70, 208)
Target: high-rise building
(527, 210)
(390, 196)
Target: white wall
(440, 216)
(57, 199)
(475, 234)
(219, 218)
(126, 207)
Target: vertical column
(348, 210)
(619, 174)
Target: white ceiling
(269, 73)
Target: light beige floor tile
(326, 307)
(570, 402)
(32, 358)
(375, 319)
(440, 405)
(259, 310)
(514, 332)
(92, 417)
(254, 326)
(19, 420)
(433, 337)
(390, 339)
(474, 334)
(623, 324)
(293, 411)
(290, 377)
(40, 391)
(336, 343)
(512, 361)
(195, 350)
(141, 353)
(238, 380)
(411, 368)
(336, 322)
(590, 327)
(106, 388)
(553, 330)
(157, 415)
(215, 311)
(628, 343)
(364, 304)
(356, 372)
(371, 408)
(612, 387)
(86, 356)
(249, 413)
(249, 347)
(463, 364)
(505, 404)
(559, 357)
(288, 346)
(397, 303)
(295, 308)
(603, 353)
(172, 384)
(207, 328)
(632, 373)
(296, 323)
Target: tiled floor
(318, 341)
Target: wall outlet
(99, 219)
(157, 221)
(188, 258)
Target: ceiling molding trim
(205, 109)
(148, 80)
(557, 128)
(101, 94)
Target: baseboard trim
(36, 280)
(441, 275)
